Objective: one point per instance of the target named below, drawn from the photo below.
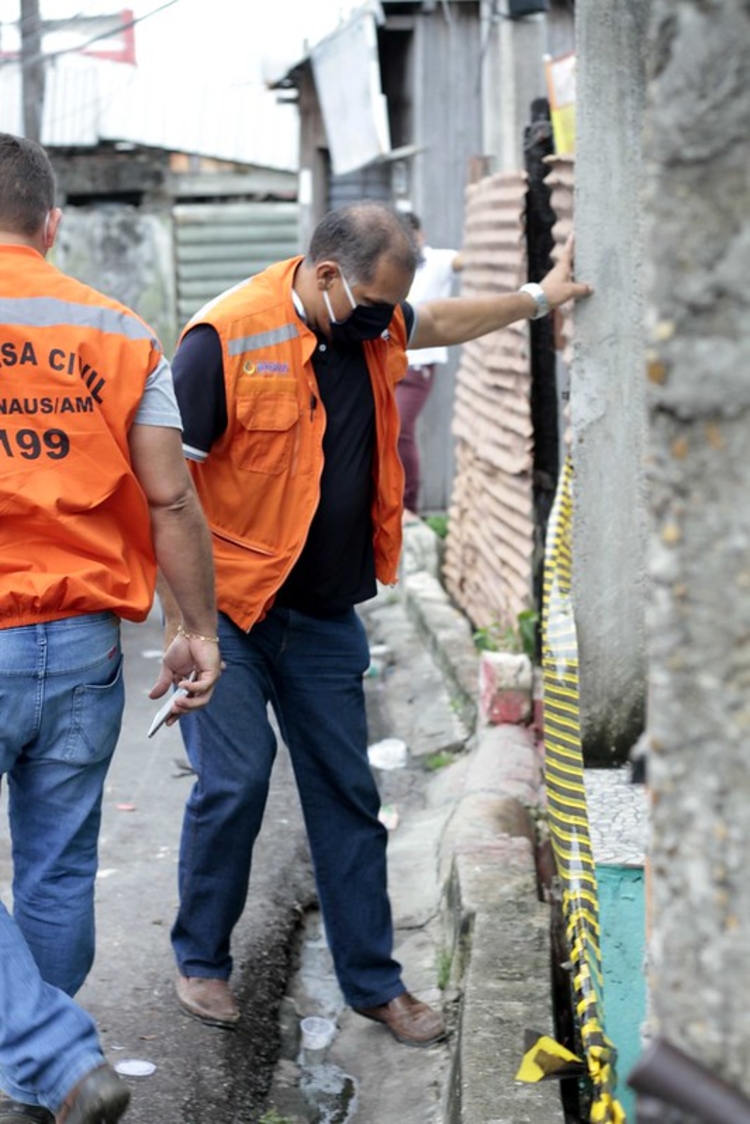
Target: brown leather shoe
(98, 1098)
(409, 1020)
(209, 1000)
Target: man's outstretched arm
(455, 320)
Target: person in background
(94, 494)
(434, 277)
(286, 385)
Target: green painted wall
(622, 917)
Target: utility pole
(32, 69)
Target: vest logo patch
(265, 368)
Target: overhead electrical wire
(32, 60)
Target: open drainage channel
(330, 1093)
(306, 1085)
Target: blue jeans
(47, 1042)
(61, 703)
(310, 670)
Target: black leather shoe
(98, 1098)
(14, 1112)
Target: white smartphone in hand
(166, 709)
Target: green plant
(438, 524)
(528, 624)
(272, 1117)
(521, 638)
(495, 638)
(443, 963)
(438, 760)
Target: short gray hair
(359, 235)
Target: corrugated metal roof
(91, 100)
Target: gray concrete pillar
(607, 383)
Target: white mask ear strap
(347, 290)
(329, 310)
(45, 235)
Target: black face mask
(367, 322)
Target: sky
(237, 37)
(212, 42)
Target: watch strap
(537, 293)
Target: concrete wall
(126, 253)
(698, 214)
(608, 384)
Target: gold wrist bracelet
(181, 631)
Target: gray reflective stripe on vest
(263, 339)
(46, 312)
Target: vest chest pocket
(268, 431)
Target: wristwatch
(540, 299)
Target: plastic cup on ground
(317, 1035)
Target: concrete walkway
(473, 934)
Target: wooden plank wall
(488, 555)
(560, 181)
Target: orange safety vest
(75, 533)
(260, 484)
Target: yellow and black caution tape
(567, 811)
(545, 1058)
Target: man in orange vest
(286, 386)
(94, 493)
